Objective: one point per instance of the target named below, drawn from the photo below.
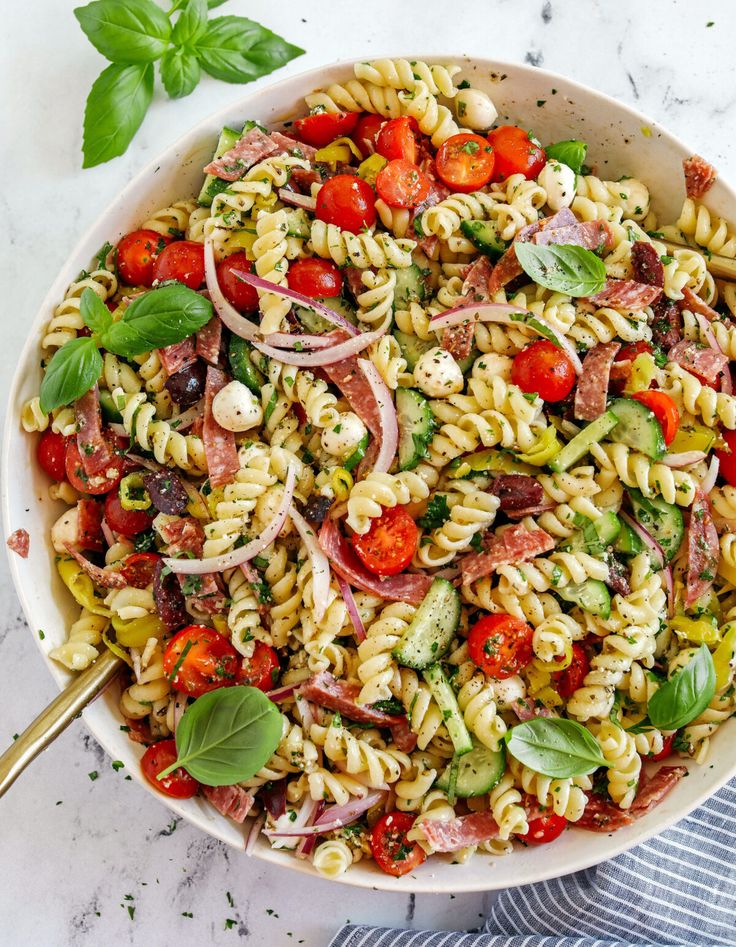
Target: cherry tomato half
(545, 828)
(397, 139)
(389, 545)
(237, 292)
(137, 254)
(568, 681)
(664, 410)
(199, 659)
(139, 568)
(727, 458)
(182, 261)
(101, 483)
(401, 184)
(348, 202)
(391, 850)
(261, 669)
(51, 454)
(158, 757)
(543, 368)
(665, 751)
(465, 162)
(515, 153)
(366, 133)
(321, 128)
(501, 645)
(127, 522)
(315, 278)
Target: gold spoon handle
(57, 716)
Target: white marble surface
(76, 854)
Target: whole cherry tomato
(238, 293)
(127, 522)
(402, 184)
(261, 669)
(389, 545)
(348, 202)
(664, 410)
(158, 757)
(315, 278)
(568, 681)
(515, 153)
(545, 369)
(397, 139)
(51, 454)
(320, 128)
(501, 645)
(199, 659)
(544, 829)
(465, 162)
(391, 850)
(136, 256)
(182, 261)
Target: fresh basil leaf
(564, 268)
(94, 312)
(236, 49)
(180, 72)
(686, 695)
(227, 735)
(215, 3)
(191, 23)
(160, 317)
(116, 105)
(134, 31)
(555, 747)
(572, 153)
(72, 371)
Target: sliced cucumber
(477, 773)
(592, 595)
(213, 185)
(241, 366)
(594, 536)
(637, 428)
(582, 442)
(298, 223)
(663, 520)
(412, 348)
(410, 286)
(447, 702)
(314, 323)
(416, 426)
(432, 629)
(484, 235)
(484, 462)
(628, 542)
(109, 408)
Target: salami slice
(703, 549)
(528, 709)
(646, 264)
(327, 691)
(303, 179)
(592, 388)
(208, 341)
(219, 444)
(601, 815)
(177, 356)
(94, 450)
(89, 525)
(666, 324)
(19, 542)
(508, 267)
(517, 492)
(254, 146)
(407, 587)
(453, 834)
(183, 535)
(699, 176)
(104, 577)
(694, 303)
(652, 791)
(293, 147)
(591, 235)
(232, 801)
(203, 592)
(514, 544)
(475, 284)
(705, 362)
(626, 294)
(458, 340)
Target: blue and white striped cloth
(677, 889)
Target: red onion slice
(306, 846)
(107, 533)
(336, 817)
(503, 313)
(298, 299)
(327, 356)
(387, 416)
(320, 565)
(298, 200)
(710, 478)
(285, 340)
(255, 830)
(226, 311)
(649, 541)
(281, 693)
(684, 459)
(352, 606)
(187, 418)
(236, 557)
(301, 826)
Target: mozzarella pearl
(236, 408)
(342, 439)
(475, 110)
(65, 530)
(559, 181)
(438, 374)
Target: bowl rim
(305, 79)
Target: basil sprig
(134, 34)
(564, 268)
(226, 736)
(158, 318)
(572, 153)
(555, 747)
(684, 697)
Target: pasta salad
(397, 466)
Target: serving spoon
(57, 716)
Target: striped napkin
(677, 889)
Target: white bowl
(621, 141)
